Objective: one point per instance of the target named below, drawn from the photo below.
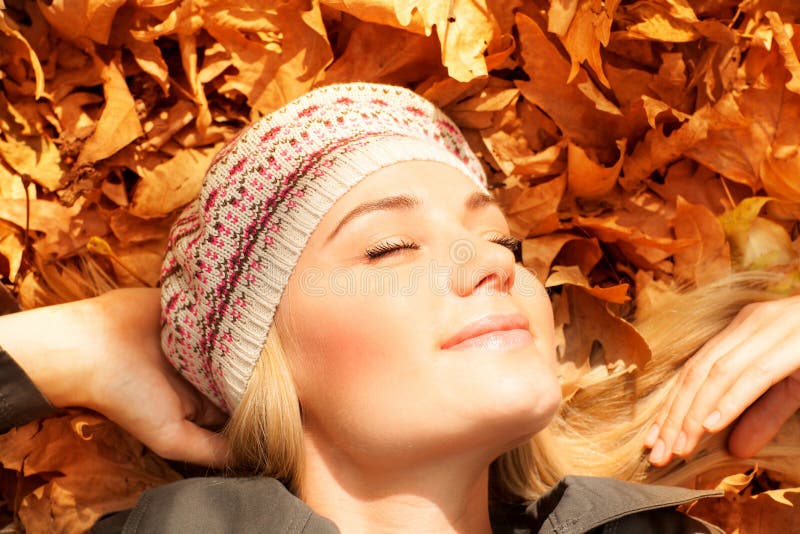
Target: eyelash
(373, 253)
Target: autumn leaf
(119, 123)
(632, 145)
(89, 467)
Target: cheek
(347, 353)
(532, 297)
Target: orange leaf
(119, 124)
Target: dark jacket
(217, 505)
(575, 505)
(20, 401)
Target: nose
(481, 266)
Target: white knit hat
(232, 250)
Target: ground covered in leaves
(633, 145)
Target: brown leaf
(168, 183)
(65, 229)
(590, 321)
(90, 467)
(532, 211)
(661, 20)
(279, 53)
(17, 47)
(658, 149)
(588, 178)
(787, 51)
(91, 19)
(578, 108)
(583, 25)
(464, 28)
(572, 275)
(119, 124)
(539, 253)
(709, 258)
(479, 110)
(381, 54)
(743, 511)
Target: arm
(751, 369)
(20, 401)
(105, 354)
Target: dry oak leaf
(16, 48)
(580, 110)
(586, 177)
(539, 253)
(35, 156)
(79, 21)
(91, 467)
(66, 230)
(742, 512)
(583, 26)
(572, 275)
(660, 20)
(383, 54)
(168, 183)
(478, 111)
(279, 52)
(709, 258)
(119, 124)
(587, 320)
(464, 27)
(757, 146)
(533, 210)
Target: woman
(344, 287)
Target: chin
(519, 414)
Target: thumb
(764, 419)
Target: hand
(105, 354)
(754, 363)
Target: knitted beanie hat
(231, 251)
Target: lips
(486, 325)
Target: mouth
(492, 332)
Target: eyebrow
(475, 201)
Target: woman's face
(370, 337)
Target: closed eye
(382, 249)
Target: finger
(209, 415)
(188, 442)
(736, 382)
(684, 393)
(764, 419)
(194, 405)
(704, 413)
(655, 430)
(775, 363)
(694, 381)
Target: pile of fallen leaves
(633, 145)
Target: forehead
(428, 180)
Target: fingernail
(651, 436)
(712, 420)
(658, 452)
(680, 443)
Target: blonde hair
(265, 431)
(598, 431)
